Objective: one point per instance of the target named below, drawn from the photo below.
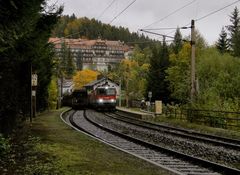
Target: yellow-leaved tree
(84, 77)
(52, 94)
(133, 78)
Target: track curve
(167, 159)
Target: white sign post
(34, 79)
(34, 89)
(150, 95)
(149, 103)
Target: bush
(4, 152)
(20, 155)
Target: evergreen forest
(73, 27)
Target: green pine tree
(24, 32)
(234, 30)
(222, 43)
(177, 42)
(157, 83)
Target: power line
(164, 36)
(122, 11)
(96, 19)
(175, 11)
(209, 14)
(140, 42)
(168, 28)
(143, 30)
(67, 36)
(184, 27)
(110, 21)
(106, 9)
(148, 31)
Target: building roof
(67, 83)
(98, 81)
(84, 43)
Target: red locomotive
(103, 97)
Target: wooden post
(120, 92)
(193, 76)
(34, 93)
(31, 111)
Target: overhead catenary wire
(106, 9)
(146, 42)
(211, 13)
(96, 19)
(175, 11)
(104, 12)
(122, 11)
(162, 35)
(167, 28)
(66, 36)
(127, 8)
(143, 30)
(167, 35)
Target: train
(101, 98)
(79, 99)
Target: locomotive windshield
(110, 91)
(106, 91)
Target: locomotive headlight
(100, 100)
(113, 100)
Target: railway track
(175, 162)
(215, 152)
(211, 139)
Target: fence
(219, 119)
(131, 103)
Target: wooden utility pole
(31, 111)
(34, 92)
(120, 93)
(193, 70)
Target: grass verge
(78, 154)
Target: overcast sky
(145, 12)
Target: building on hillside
(94, 54)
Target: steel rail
(204, 163)
(216, 140)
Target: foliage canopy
(84, 77)
(24, 31)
